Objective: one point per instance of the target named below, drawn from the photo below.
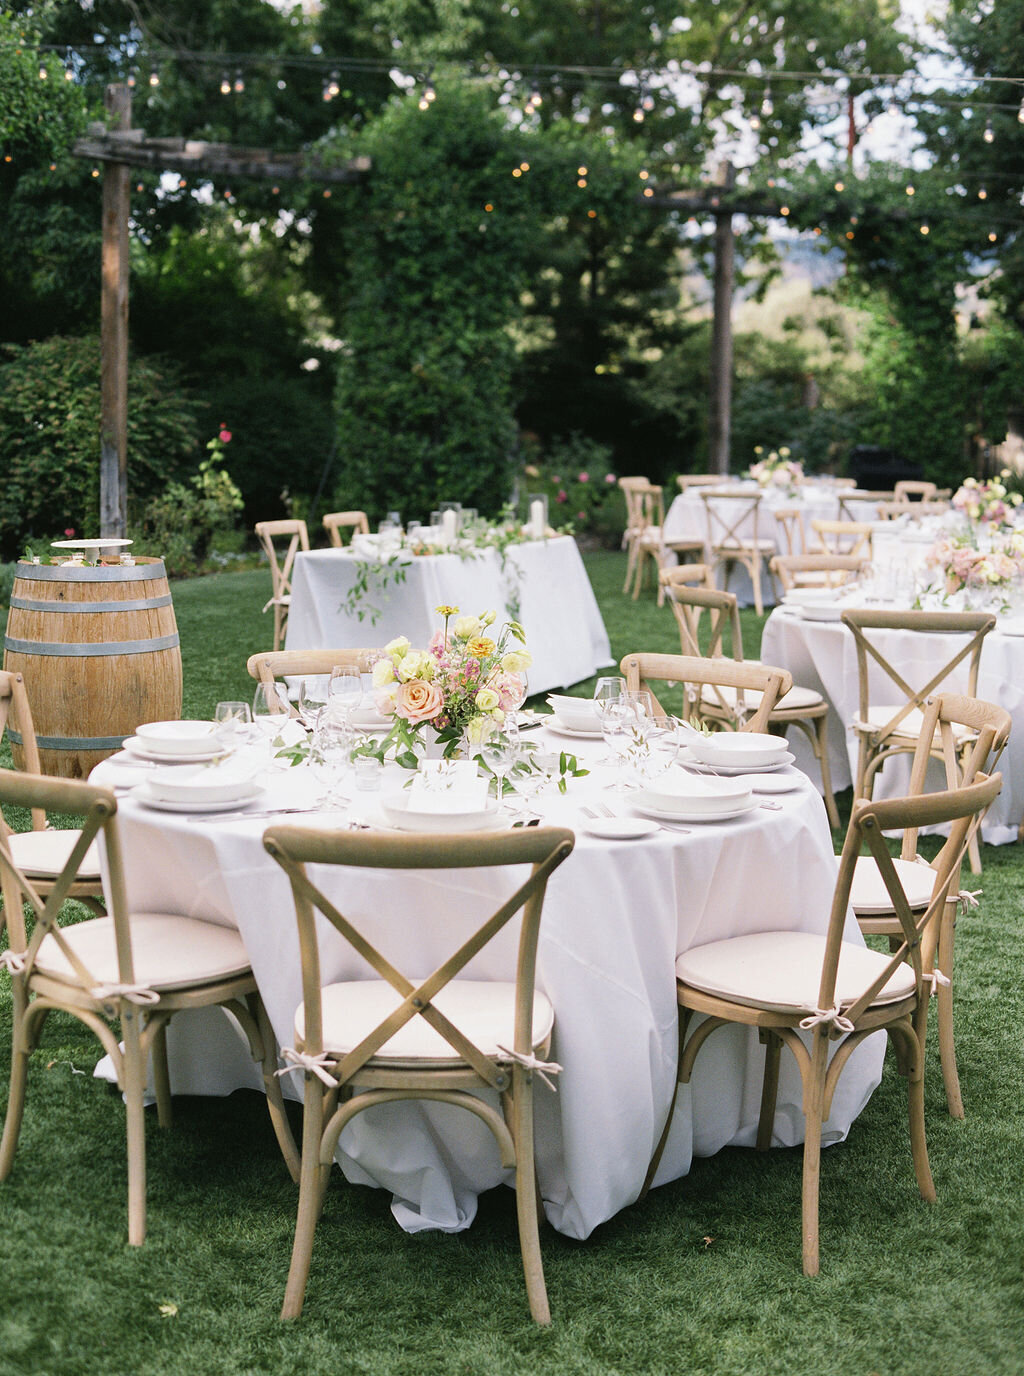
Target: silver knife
(243, 816)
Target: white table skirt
(821, 655)
(616, 917)
(542, 583)
(686, 519)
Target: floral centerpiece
(449, 691)
(989, 502)
(777, 469)
(962, 565)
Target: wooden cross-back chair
(43, 851)
(646, 531)
(789, 522)
(844, 537)
(402, 1036)
(801, 707)
(337, 521)
(281, 567)
(798, 987)
(269, 667)
(816, 570)
(889, 708)
(946, 717)
(914, 490)
(726, 513)
(694, 673)
(123, 976)
(851, 502)
(688, 480)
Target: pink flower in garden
(70, 532)
(562, 496)
(556, 481)
(584, 477)
(610, 479)
(224, 436)
(581, 515)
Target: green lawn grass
(703, 1277)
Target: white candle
(537, 519)
(449, 525)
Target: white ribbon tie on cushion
(933, 978)
(11, 961)
(826, 1015)
(302, 1060)
(134, 993)
(531, 1062)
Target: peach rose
(418, 701)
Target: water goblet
(499, 750)
(344, 691)
(607, 689)
(270, 709)
(330, 758)
(312, 700)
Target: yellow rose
(487, 699)
(516, 661)
(480, 647)
(398, 647)
(383, 673)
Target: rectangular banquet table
(617, 915)
(821, 655)
(540, 583)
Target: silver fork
(607, 812)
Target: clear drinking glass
(312, 700)
(607, 689)
(499, 750)
(330, 758)
(270, 708)
(233, 719)
(344, 691)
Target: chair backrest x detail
(693, 672)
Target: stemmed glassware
(607, 690)
(499, 750)
(330, 757)
(312, 701)
(270, 709)
(344, 691)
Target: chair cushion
(168, 952)
(44, 854)
(870, 898)
(793, 701)
(482, 1010)
(781, 971)
(909, 727)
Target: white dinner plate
(1010, 625)
(573, 732)
(142, 795)
(681, 815)
(730, 771)
(621, 828)
(773, 783)
(485, 819)
(135, 747)
(826, 611)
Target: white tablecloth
(821, 655)
(617, 915)
(542, 583)
(686, 519)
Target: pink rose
(610, 479)
(224, 436)
(70, 532)
(584, 478)
(562, 496)
(418, 701)
(556, 481)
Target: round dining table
(616, 916)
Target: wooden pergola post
(117, 102)
(720, 390)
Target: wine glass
(518, 694)
(499, 750)
(312, 700)
(607, 689)
(617, 719)
(534, 780)
(330, 757)
(270, 709)
(344, 691)
(232, 720)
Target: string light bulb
(333, 86)
(910, 189)
(993, 236)
(225, 85)
(154, 77)
(990, 134)
(536, 98)
(428, 97)
(767, 105)
(239, 84)
(925, 229)
(982, 194)
(131, 81)
(1020, 112)
(43, 73)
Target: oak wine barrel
(98, 647)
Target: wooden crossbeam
(195, 157)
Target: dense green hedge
(50, 437)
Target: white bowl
(808, 597)
(677, 791)
(366, 715)
(201, 783)
(396, 809)
(737, 747)
(579, 714)
(178, 737)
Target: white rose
(397, 648)
(383, 673)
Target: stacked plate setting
(681, 797)
(402, 813)
(741, 751)
(815, 604)
(574, 716)
(176, 742)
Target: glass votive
(368, 771)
